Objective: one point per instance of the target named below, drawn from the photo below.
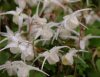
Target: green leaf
(87, 56)
(4, 57)
(94, 42)
(93, 29)
(70, 76)
(93, 74)
(98, 64)
(36, 74)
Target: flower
(8, 67)
(36, 25)
(27, 52)
(12, 38)
(71, 1)
(18, 16)
(45, 33)
(19, 68)
(50, 4)
(91, 17)
(67, 59)
(32, 2)
(22, 69)
(21, 3)
(84, 41)
(71, 21)
(61, 32)
(51, 55)
(19, 44)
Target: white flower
(62, 32)
(35, 25)
(45, 33)
(33, 2)
(71, 21)
(51, 4)
(12, 38)
(71, 1)
(21, 3)
(19, 68)
(27, 52)
(84, 41)
(8, 67)
(18, 16)
(68, 58)
(51, 55)
(18, 44)
(91, 17)
(36, 17)
(22, 69)
(35, 21)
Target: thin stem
(43, 63)
(3, 40)
(82, 31)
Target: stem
(82, 31)
(29, 32)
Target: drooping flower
(71, 21)
(21, 3)
(68, 58)
(35, 24)
(27, 52)
(91, 17)
(71, 1)
(32, 2)
(51, 55)
(50, 4)
(18, 44)
(84, 41)
(12, 38)
(18, 16)
(22, 69)
(61, 32)
(45, 33)
(19, 68)
(8, 67)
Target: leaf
(94, 28)
(94, 42)
(98, 64)
(70, 76)
(36, 74)
(4, 57)
(50, 67)
(93, 74)
(98, 51)
(87, 56)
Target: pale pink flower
(19, 68)
(51, 55)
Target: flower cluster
(40, 29)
